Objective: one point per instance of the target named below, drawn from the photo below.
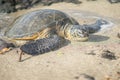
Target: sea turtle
(43, 30)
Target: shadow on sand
(97, 38)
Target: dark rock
(25, 4)
(76, 77)
(118, 35)
(114, 1)
(7, 8)
(108, 55)
(87, 77)
(91, 0)
(49, 2)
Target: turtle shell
(36, 21)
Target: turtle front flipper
(95, 27)
(43, 45)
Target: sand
(76, 59)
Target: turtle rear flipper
(4, 46)
(44, 45)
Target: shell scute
(37, 21)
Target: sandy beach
(77, 59)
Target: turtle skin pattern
(43, 45)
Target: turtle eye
(83, 33)
(104, 22)
(80, 33)
(101, 21)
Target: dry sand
(69, 62)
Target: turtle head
(77, 33)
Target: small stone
(47, 65)
(118, 72)
(118, 35)
(76, 77)
(48, 61)
(107, 78)
(60, 53)
(91, 53)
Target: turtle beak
(82, 39)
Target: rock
(86, 77)
(108, 55)
(91, 53)
(7, 8)
(118, 35)
(114, 1)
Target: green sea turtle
(42, 30)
